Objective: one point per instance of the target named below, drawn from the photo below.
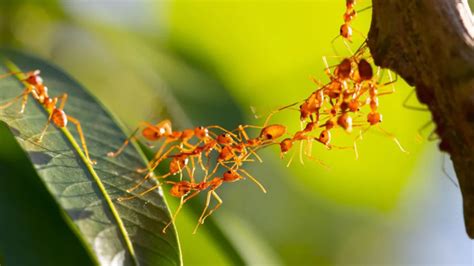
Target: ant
(186, 190)
(268, 135)
(35, 87)
(369, 83)
(345, 30)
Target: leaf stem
(121, 227)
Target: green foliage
(122, 232)
(32, 226)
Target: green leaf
(127, 232)
(30, 217)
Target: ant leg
(23, 95)
(317, 82)
(360, 33)
(301, 152)
(259, 159)
(327, 70)
(219, 203)
(391, 82)
(433, 136)
(214, 171)
(181, 204)
(249, 176)
(333, 46)
(361, 50)
(222, 129)
(254, 180)
(443, 163)
(173, 218)
(145, 178)
(25, 100)
(40, 138)
(363, 9)
(191, 172)
(406, 105)
(356, 150)
(129, 138)
(9, 74)
(201, 164)
(124, 145)
(348, 47)
(291, 159)
(393, 138)
(422, 128)
(158, 157)
(206, 206)
(242, 132)
(139, 195)
(81, 136)
(272, 113)
(63, 101)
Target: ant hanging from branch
(346, 30)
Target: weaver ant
(369, 83)
(35, 87)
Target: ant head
(180, 189)
(33, 78)
(201, 132)
(231, 176)
(150, 133)
(272, 132)
(374, 118)
(329, 124)
(346, 31)
(354, 105)
(225, 139)
(365, 70)
(325, 137)
(285, 145)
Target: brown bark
(430, 43)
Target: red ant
(187, 190)
(369, 83)
(57, 116)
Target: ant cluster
(213, 148)
(220, 154)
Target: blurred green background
(208, 62)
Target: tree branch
(430, 44)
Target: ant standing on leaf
(36, 87)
